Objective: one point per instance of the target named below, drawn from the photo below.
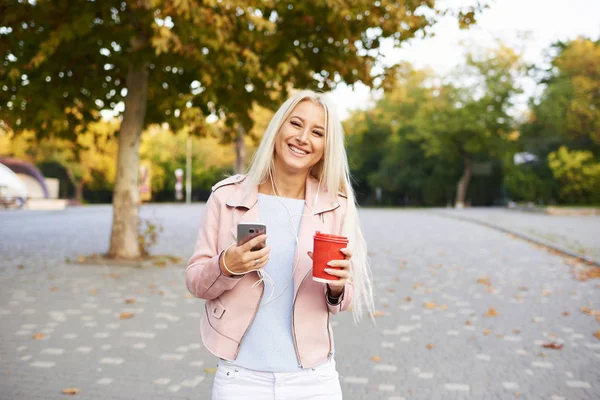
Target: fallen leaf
(379, 313)
(114, 276)
(161, 292)
(430, 305)
(53, 289)
(587, 311)
(126, 315)
(210, 370)
(70, 391)
(160, 263)
(546, 293)
(598, 318)
(408, 299)
(467, 322)
(566, 314)
(188, 296)
(516, 331)
(152, 286)
(523, 288)
(517, 297)
(485, 280)
(491, 313)
(38, 336)
(430, 346)
(129, 301)
(553, 345)
(376, 359)
(486, 332)
(93, 291)
(597, 334)
(391, 290)
(20, 266)
(80, 259)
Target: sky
(529, 26)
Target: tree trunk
(463, 183)
(124, 235)
(240, 150)
(79, 192)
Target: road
(463, 313)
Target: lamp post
(188, 172)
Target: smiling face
(300, 143)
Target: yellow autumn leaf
(491, 313)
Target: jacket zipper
(252, 320)
(293, 321)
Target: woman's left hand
(337, 286)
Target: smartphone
(248, 230)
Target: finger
(253, 255)
(257, 263)
(339, 263)
(254, 241)
(347, 253)
(339, 284)
(342, 273)
(310, 254)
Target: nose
(303, 138)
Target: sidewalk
(576, 235)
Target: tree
(578, 173)
(177, 61)
(470, 116)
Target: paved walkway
(575, 234)
(463, 312)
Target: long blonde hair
(334, 174)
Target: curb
(588, 260)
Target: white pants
(236, 383)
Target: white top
(269, 343)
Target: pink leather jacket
(232, 303)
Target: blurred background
(457, 103)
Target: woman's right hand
(241, 259)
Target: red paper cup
(327, 248)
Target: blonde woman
(265, 318)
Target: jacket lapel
(244, 200)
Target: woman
(281, 345)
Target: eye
(318, 133)
(296, 123)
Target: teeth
(297, 150)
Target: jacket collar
(316, 198)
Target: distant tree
(578, 173)
(470, 116)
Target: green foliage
(566, 116)
(531, 182)
(578, 173)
